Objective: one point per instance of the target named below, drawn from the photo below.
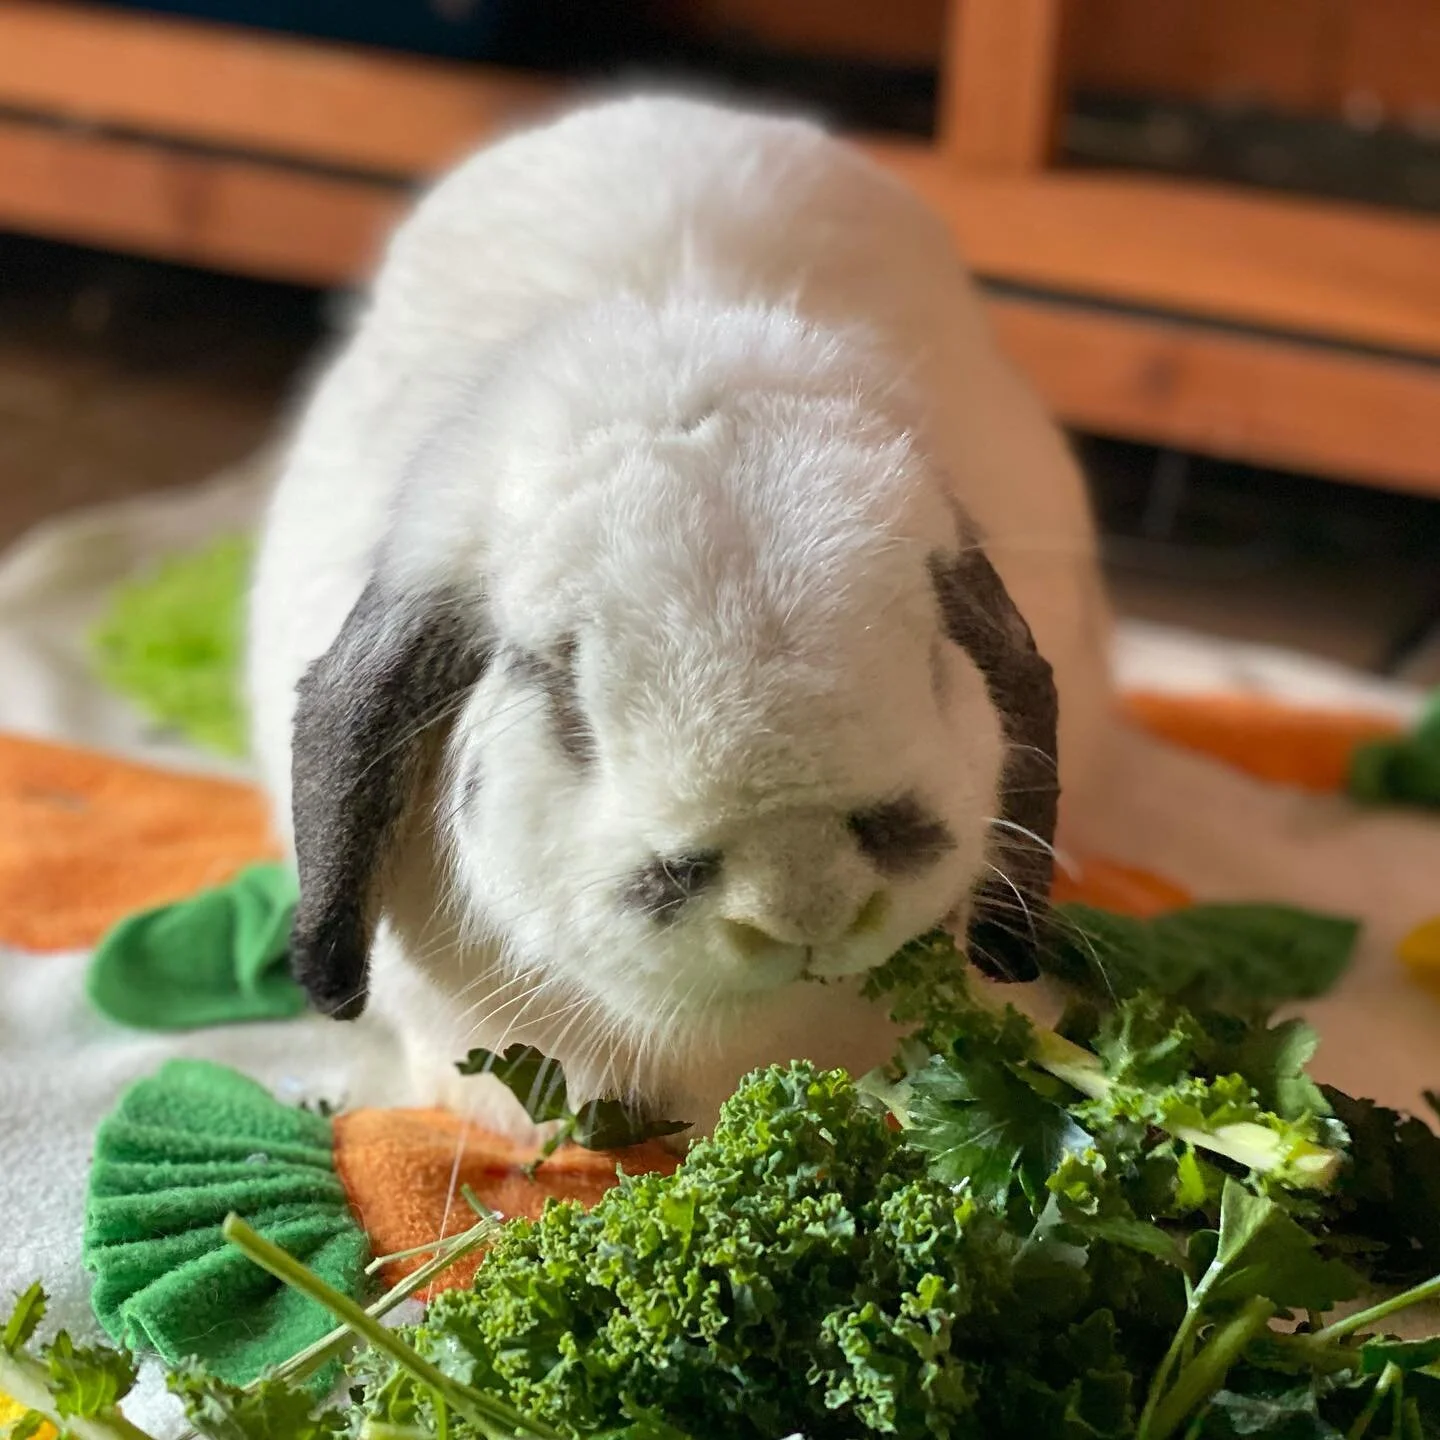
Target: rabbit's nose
(793, 883)
(757, 935)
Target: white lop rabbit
(642, 628)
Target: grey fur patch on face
(557, 680)
(900, 837)
(365, 712)
(661, 889)
(980, 617)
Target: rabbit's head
(727, 696)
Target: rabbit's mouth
(760, 966)
(843, 963)
(761, 971)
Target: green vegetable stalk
(493, 1418)
(1246, 1143)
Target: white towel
(62, 1068)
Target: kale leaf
(1387, 1204)
(1246, 958)
(267, 1410)
(539, 1084)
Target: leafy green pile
(1145, 1223)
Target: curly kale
(701, 1297)
(1087, 1232)
(800, 1272)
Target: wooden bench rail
(1313, 410)
(1343, 273)
(1002, 93)
(291, 160)
(223, 214)
(241, 89)
(1340, 273)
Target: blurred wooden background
(1227, 319)
(1310, 56)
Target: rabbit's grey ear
(1007, 929)
(365, 712)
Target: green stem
(1388, 1376)
(564, 1131)
(494, 1417)
(468, 1195)
(1327, 1358)
(27, 1381)
(433, 1247)
(1206, 1373)
(1252, 1146)
(1161, 1377)
(333, 1346)
(1078, 1067)
(1365, 1319)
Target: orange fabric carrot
(86, 839)
(403, 1170)
(1122, 888)
(1275, 742)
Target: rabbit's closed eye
(661, 888)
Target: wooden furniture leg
(1002, 84)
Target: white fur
(689, 384)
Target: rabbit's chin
(681, 1069)
(833, 1025)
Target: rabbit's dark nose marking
(901, 837)
(661, 888)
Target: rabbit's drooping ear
(1007, 928)
(365, 711)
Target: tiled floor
(118, 377)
